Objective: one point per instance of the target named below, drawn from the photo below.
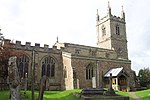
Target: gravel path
(134, 96)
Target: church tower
(111, 33)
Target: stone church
(70, 66)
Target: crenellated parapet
(109, 16)
(112, 17)
(27, 46)
(117, 18)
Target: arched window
(23, 64)
(48, 70)
(20, 69)
(26, 68)
(43, 69)
(103, 30)
(48, 67)
(52, 70)
(117, 30)
(89, 72)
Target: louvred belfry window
(117, 30)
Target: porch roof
(114, 71)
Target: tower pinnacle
(109, 10)
(122, 14)
(97, 16)
(122, 8)
(57, 39)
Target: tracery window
(117, 30)
(103, 30)
(48, 67)
(89, 72)
(23, 64)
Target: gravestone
(93, 91)
(42, 87)
(100, 93)
(25, 85)
(110, 89)
(93, 82)
(14, 79)
(78, 84)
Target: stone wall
(41, 53)
(85, 55)
(67, 77)
(73, 57)
(87, 51)
(79, 64)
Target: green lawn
(124, 94)
(61, 95)
(145, 94)
(4, 95)
(52, 95)
(68, 95)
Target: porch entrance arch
(123, 82)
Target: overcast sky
(73, 21)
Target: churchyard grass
(123, 94)
(68, 95)
(52, 95)
(4, 95)
(144, 94)
(61, 95)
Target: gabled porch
(120, 79)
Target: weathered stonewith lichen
(14, 79)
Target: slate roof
(114, 71)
